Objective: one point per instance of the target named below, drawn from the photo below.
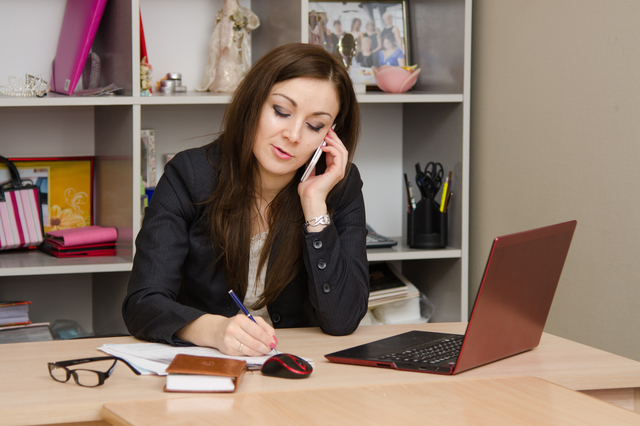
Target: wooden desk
(29, 396)
(497, 401)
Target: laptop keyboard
(431, 354)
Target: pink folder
(79, 26)
(82, 236)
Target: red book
(86, 253)
(56, 249)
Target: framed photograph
(379, 29)
(66, 187)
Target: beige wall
(555, 136)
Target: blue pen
(240, 305)
(246, 312)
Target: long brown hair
(232, 203)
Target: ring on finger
(241, 346)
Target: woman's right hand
(239, 335)
(235, 336)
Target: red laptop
(508, 317)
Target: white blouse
(255, 286)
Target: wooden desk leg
(636, 398)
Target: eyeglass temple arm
(135, 370)
(81, 361)
(100, 358)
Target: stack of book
(392, 299)
(388, 285)
(81, 242)
(15, 325)
(14, 313)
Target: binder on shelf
(79, 25)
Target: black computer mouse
(286, 366)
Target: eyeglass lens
(58, 373)
(86, 377)
(82, 377)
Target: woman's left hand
(314, 191)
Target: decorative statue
(229, 48)
(145, 77)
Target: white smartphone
(314, 160)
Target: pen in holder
(427, 227)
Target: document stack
(15, 325)
(81, 242)
(393, 299)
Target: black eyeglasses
(83, 377)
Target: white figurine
(229, 48)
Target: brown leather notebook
(189, 373)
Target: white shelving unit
(429, 123)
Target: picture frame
(66, 191)
(379, 28)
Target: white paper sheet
(154, 358)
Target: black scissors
(429, 180)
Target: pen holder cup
(427, 227)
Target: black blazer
(174, 279)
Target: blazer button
(326, 287)
(275, 318)
(317, 244)
(322, 264)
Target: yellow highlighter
(445, 191)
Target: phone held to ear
(314, 160)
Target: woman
(234, 215)
(373, 34)
(365, 56)
(336, 36)
(389, 28)
(390, 53)
(356, 23)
